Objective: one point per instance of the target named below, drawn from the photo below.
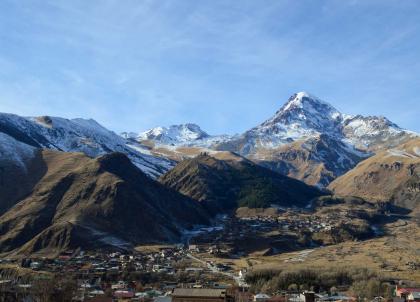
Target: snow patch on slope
(108, 239)
(79, 135)
(402, 153)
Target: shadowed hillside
(89, 203)
(226, 184)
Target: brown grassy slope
(391, 175)
(389, 255)
(225, 183)
(89, 202)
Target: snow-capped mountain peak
(308, 103)
(302, 99)
(303, 115)
(304, 107)
(174, 134)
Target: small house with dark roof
(200, 295)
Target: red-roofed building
(410, 294)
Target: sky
(225, 65)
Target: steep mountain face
(305, 116)
(77, 135)
(234, 181)
(104, 202)
(301, 117)
(391, 175)
(307, 139)
(312, 141)
(316, 161)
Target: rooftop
(199, 292)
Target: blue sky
(225, 65)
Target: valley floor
(395, 255)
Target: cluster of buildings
(223, 242)
(299, 220)
(100, 278)
(288, 230)
(111, 274)
(91, 265)
(241, 295)
(296, 223)
(105, 277)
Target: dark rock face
(316, 161)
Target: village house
(409, 294)
(261, 297)
(413, 297)
(200, 295)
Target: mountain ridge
(77, 135)
(80, 184)
(227, 183)
(88, 202)
(391, 175)
(306, 119)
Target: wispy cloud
(223, 64)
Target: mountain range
(68, 183)
(306, 138)
(78, 135)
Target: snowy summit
(174, 134)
